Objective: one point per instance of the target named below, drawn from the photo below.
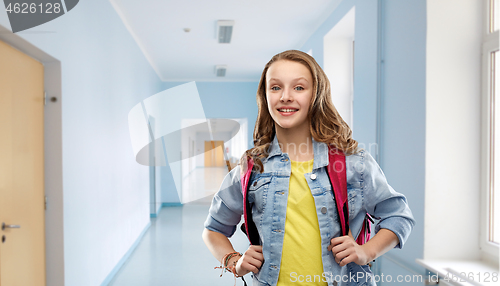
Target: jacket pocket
(355, 199)
(361, 273)
(257, 193)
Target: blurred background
(415, 80)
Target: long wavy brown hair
(326, 123)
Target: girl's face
(289, 88)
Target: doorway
(22, 196)
(211, 153)
(214, 154)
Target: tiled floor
(172, 252)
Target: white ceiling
(262, 29)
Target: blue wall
(401, 80)
(105, 191)
(219, 100)
(365, 64)
(403, 111)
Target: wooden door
(22, 250)
(214, 154)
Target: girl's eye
(275, 88)
(299, 88)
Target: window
(494, 194)
(494, 11)
(490, 237)
(338, 47)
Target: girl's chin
(287, 126)
(290, 125)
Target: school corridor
(119, 120)
(171, 252)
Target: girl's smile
(287, 111)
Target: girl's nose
(286, 95)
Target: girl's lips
(287, 113)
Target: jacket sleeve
(227, 205)
(382, 202)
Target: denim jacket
(368, 192)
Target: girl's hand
(251, 261)
(346, 250)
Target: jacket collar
(320, 152)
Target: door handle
(4, 226)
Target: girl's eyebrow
(297, 79)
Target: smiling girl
(293, 206)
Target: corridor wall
(389, 101)
(105, 197)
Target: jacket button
(313, 176)
(323, 210)
(255, 183)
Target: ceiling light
(224, 31)
(220, 70)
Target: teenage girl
(293, 204)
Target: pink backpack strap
(364, 234)
(338, 178)
(249, 226)
(337, 173)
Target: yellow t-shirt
(301, 262)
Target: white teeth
(287, 110)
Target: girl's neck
(296, 143)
